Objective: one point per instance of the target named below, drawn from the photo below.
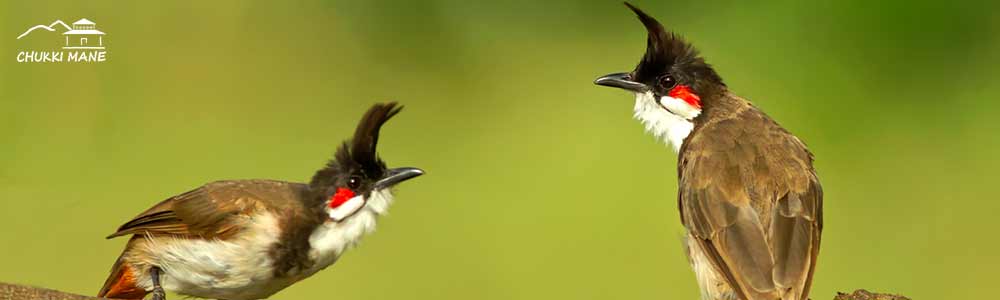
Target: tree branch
(866, 295)
(23, 292)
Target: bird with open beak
(748, 194)
(248, 239)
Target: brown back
(750, 195)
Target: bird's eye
(354, 182)
(667, 81)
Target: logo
(81, 43)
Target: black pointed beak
(397, 175)
(622, 81)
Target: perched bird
(748, 195)
(248, 239)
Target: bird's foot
(159, 294)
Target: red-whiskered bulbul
(248, 239)
(748, 194)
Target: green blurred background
(539, 184)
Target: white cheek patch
(671, 126)
(679, 107)
(347, 209)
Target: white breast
(672, 126)
(237, 268)
(241, 267)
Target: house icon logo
(82, 42)
(84, 36)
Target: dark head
(356, 170)
(670, 68)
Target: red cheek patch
(685, 93)
(340, 197)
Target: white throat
(667, 118)
(331, 239)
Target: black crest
(668, 52)
(365, 139)
(359, 154)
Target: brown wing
(215, 210)
(750, 196)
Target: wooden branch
(23, 292)
(866, 295)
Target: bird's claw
(159, 294)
